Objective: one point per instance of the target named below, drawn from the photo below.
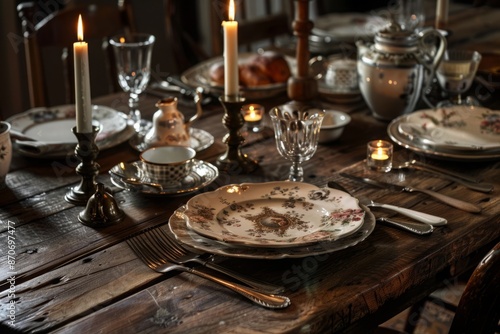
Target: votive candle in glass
(253, 113)
(379, 155)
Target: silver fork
(174, 252)
(149, 255)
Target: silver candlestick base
(86, 151)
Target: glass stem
(296, 172)
(134, 113)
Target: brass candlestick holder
(233, 160)
(86, 151)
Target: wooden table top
(58, 275)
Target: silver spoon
(458, 178)
(129, 173)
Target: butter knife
(454, 202)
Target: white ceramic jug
(169, 126)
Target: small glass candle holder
(253, 113)
(379, 155)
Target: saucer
(200, 139)
(201, 175)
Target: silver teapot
(397, 68)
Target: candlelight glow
(231, 10)
(80, 28)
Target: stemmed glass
(296, 130)
(455, 74)
(133, 63)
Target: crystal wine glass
(133, 63)
(455, 74)
(296, 130)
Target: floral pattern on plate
(177, 227)
(460, 127)
(274, 214)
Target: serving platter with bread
(262, 75)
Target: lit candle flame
(80, 28)
(231, 10)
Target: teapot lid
(394, 35)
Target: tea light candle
(231, 70)
(83, 104)
(379, 155)
(253, 113)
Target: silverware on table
(416, 228)
(454, 202)
(417, 215)
(444, 171)
(458, 178)
(152, 259)
(168, 248)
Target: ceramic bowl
(333, 125)
(168, 164)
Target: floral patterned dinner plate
(177, 228)
(459, 127)
(274, 214)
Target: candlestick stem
(233, 159)
(86, 151)
(302, 87)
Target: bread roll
(216, 72)
(258, 70)
(251, 75)
(274, 65)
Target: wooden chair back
(49, 48)
(478, 310)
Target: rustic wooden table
(66, 277)
(58, 275)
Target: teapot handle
(197, 99)
(436, 57)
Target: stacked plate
(455, 133)
(51, 130)
(271, 220)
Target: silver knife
(456, 203)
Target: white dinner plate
(460, 128)
(178, 229)
(274, 214)
(51, 129)
(438, 152)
